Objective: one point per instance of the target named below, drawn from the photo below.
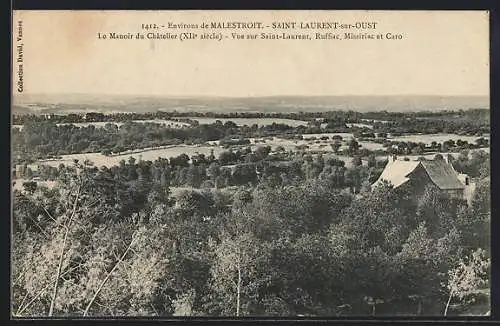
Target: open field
(431, 156)
(348, 160)
(359, 125)
(312, 141)
(18, 184)
(344, 135)
(291, 145)
(371, 146)
(173, 151)
(375, 120)
(148, 154)
(439, 138)
(167, 123)
(351, 125)
(248, 121)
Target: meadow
(102, 124)
(168, 123)
(308, 143)
(150, 154)
(248, 121)
(439, 138)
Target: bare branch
(72, 269)
(20, 311)
(22, 301)
(93, 203)
(21, 274)
(133, 251)
(58, 273)
(154, 309)
(107, 277)
(39, 227)
(74, 205)
(52, 218)
(49, 215)
(61, 256)
(116, 255)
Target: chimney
(464, 178)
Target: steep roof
(439, 171)
(396, 172)
(442, 174)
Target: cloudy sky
(442, 53)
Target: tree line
(231, 168)
(248, 168)
(48, 139)
(476, 116)
(105, 243)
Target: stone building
(416, 176)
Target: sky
(441, 53)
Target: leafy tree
(262, 152)
(353, 147)
(193, 176)
(468, 278)
(237, 253)
(372, 161)
(356, 161)
(481, 198)
(30, 186)
(225, 158)
(336, 146)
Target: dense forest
(252, 231)
(116, 242)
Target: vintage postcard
(250, 163)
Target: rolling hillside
(67, 103)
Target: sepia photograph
(203, 163)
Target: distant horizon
(242, 96)
(59, 103)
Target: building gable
(438, 172)
(397, 172)
(443, 175)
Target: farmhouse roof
(396, 172)
(440, 172)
